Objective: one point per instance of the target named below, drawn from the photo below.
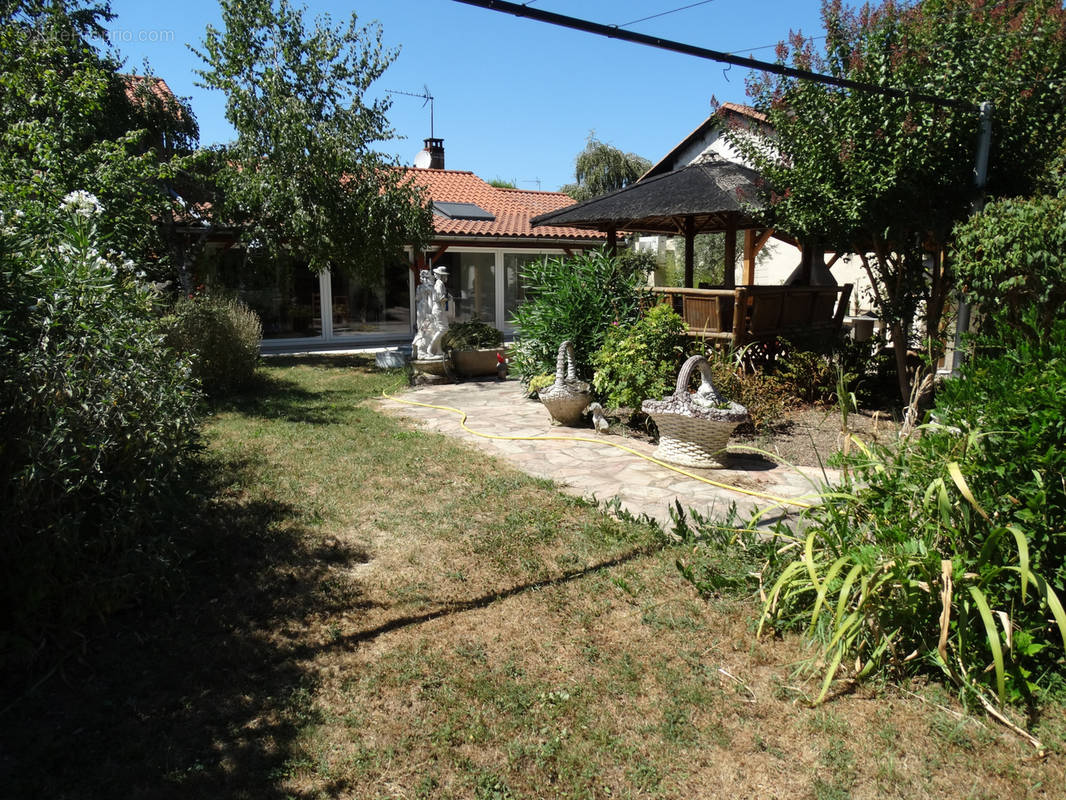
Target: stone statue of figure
(423, 313)
(432, 314)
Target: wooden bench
(766, 312)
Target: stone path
(595, 469)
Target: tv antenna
(425, 95)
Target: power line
(661, 13)
(740, 50)
(613, 32)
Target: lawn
(366, 610)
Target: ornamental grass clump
(949, 553)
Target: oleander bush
(579, 298)
(640, 361)
(221, 336)
(96, 423)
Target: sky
(514, 98)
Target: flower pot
(476, 363)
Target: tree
(890, 177)
(600, 169)
(71, 121)
(302, 178)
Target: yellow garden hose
(798, 503)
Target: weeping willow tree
(601, 168)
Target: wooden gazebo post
(612, 240)
(690, 246)
(730, 274)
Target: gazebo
(713, 195)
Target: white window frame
(498, 254)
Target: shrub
(96, 420)
(579, 299)
(221, 335)
(945, 552)
(808, 376)
(1012, 258)
(640, 361)
(811, 372)
(761, 394)
(472, 335)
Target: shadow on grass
(274, 397)
(195, 696)
(320, 360)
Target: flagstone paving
(596, 469)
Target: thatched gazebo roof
(711, 195)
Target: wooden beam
(440, 251)
(612, 240)
(740, 316)
(833, 260)
(751, 249)
(730, 274)
(690, 246)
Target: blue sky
(514, 98)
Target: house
(482, 235)
(704, 186)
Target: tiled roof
(744, 111)
(157, 86)
(513, 208)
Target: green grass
(367, 610)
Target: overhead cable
(663, 13)
(613, 32)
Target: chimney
(435, 148)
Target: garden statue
(431, 314)
(423, 313)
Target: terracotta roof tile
(513, 208)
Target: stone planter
(476, 363)
(694, 429)
(567, 398)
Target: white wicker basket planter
(694, 428)
(567, 398)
